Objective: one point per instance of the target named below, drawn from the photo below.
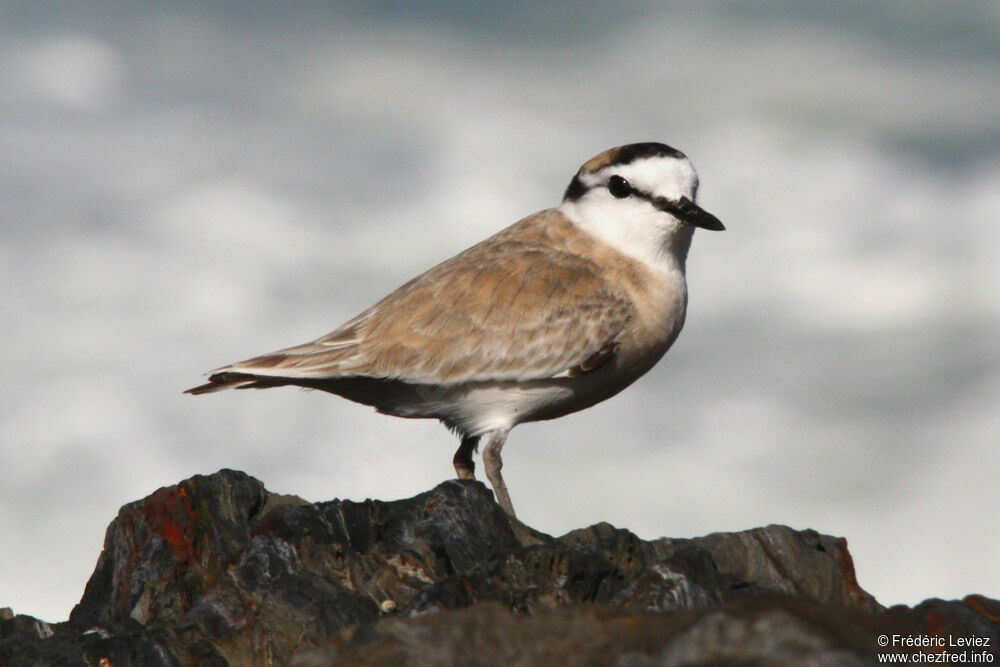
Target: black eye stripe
(619, 187)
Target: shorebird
(549, 316)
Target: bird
(551, 315)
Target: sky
(184, 186)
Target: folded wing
(513, 307)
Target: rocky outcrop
(216, 570)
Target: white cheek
(631, 226)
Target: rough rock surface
(216, 570)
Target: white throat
(634, 228)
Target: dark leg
(464, 465)
(493, 464)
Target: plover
(551, 315)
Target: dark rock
(216, 570)
(778, 558)
(762, 630)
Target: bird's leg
(464, 466)
(493, 464)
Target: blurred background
(183, 186)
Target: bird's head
(640, 198)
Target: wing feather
(518, 306)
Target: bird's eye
(619, 187)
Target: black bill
(689, 212)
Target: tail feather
(231, 380)
(305, 365)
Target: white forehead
(660, 176)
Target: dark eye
(619, 187)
